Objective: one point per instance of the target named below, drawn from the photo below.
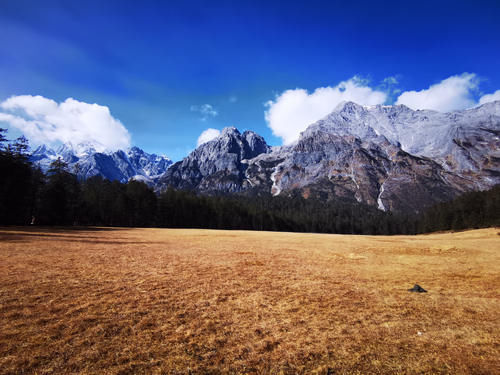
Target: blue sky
(156, 65)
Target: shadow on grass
(72, 234)
(60, 229)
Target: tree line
(27, 195)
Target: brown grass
(123, 301)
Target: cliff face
(216, 166)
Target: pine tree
(16, 184)
(60, 198)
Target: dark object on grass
(418, 289)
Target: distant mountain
(120, 165)
(390, 157)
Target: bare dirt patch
(119, 301)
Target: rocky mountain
(217, 165)
(391, 157)
(464, 142)
(119, 165)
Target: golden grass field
(163, 301)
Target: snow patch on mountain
(85, 162)
(380, 204)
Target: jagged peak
(402, 107)
(136, 149)
(348, 106)
(390, 108)
(226, 133)
(230, 130)
(353, 107)
(249, 132)
(43, 149)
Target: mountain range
(391, 157)
(85, 162)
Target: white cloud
(206, 111)
(453, 93)
(207, 135)
(44, 121)
(389, 86)
(490, 97)
(390, 81)
(294, 110)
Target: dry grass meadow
(161, 301)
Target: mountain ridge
(118, 165)
(390, 157)
(379, 155)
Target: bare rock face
(375, 172)
(390, 157)
(216, 166)
(466, 142)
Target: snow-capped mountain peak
(85, 161)
(424, 133)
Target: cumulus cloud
(207, 135)
(206, 111)
(44, 121)
(294, 110)
(453, 93)
(490, 97)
